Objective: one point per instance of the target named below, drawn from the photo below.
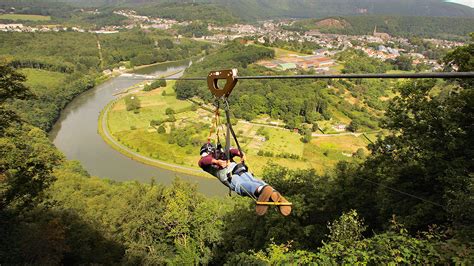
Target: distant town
(268, 32)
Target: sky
(464, 2)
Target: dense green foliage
(195, 30)
(438, 27)
(63, 14)
(141, 48)
(77, 56)
(356, 61)
(56, 10)
(208, 13)
(27, 156)
(280, 99)
(250, 9)
(132, 103)
(77, 219)
(302, 47)
(155, 84)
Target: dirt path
(100, 52)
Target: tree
(427, 156)
(307, 135)
(132, 103)
(171, 118)
(404, 62)
(462, 59)
(11, 85)
(354, 125)
(161, 129)
(169, 111)
(360, 153)
(27, 156)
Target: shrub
(161, 130)
(169, 111)
(132, 103)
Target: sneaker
(264, 196)
(284, 209)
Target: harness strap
(231, 130)
(215, 124)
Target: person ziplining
(219, 161)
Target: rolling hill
(260, 9)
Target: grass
(133, 130)
(327, 151)
(337, 68)
(279, 52)
(25, 17)
(37, 78)
(153, 105)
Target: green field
(133, 129)
(36, 78)
(25, 17)
(153, 105)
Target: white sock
(259, 189)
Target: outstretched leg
(246, 185)
(285, 210)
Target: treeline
(65, 14)
(77, 56)
(73, 54)
(403, 26)
(194, 29)
(55, 10)
(57, 66)
(356, 61)
(233, 55)
(304, 47)
(204, 12)
(141, 49)
(105, 17)
(409, 202)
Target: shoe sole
(277, 197)
(264, 197)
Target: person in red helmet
(237, 177)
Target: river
(75, 134)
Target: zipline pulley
(212, 82)
(222, 94)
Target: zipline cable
(401, 192)
(450, 75)
(235, 78)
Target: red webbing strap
(215, 124)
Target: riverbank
(104, 132)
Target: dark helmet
(207, 148)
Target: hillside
(251, 9)
(407, 26)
